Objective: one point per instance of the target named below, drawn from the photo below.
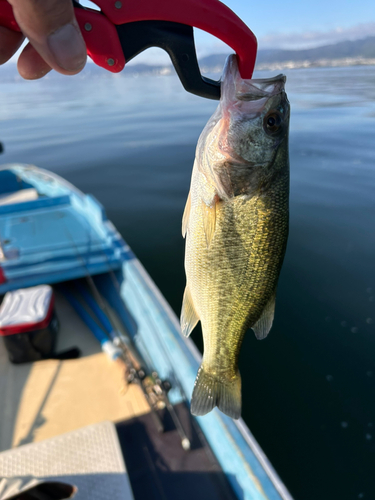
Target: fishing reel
(155, 389)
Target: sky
(288, 24)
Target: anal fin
(264, 323)
(189, 317)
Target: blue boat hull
(64, 235)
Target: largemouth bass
(236, 228)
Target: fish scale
(235, 245)
(240, 287)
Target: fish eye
(272, 122)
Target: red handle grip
(208, 15)
(104, 47)
(100, 35)
(7, 17)
(102, 42)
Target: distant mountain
(346, 53)
(348, 49)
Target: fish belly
(231, 281)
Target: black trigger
(176, 39)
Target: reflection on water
(308, 389)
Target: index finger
(53, 31)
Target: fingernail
(68, 47)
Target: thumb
(52, 30)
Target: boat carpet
(159, 468)
(88, 459)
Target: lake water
(308, 389)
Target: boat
(131, 441)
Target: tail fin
(210, 392)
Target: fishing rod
(151, 384)
(150, 381)
(185, 442)
(125, 355)
(155, 390)
(134, 374)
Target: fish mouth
(251, 89)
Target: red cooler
(28, 324)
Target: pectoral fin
(185, 217)
(264, 323)
(209, 221)
(189, 317)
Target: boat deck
(159, 468)
(51, 397)
(47, 398)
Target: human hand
(55, 40)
